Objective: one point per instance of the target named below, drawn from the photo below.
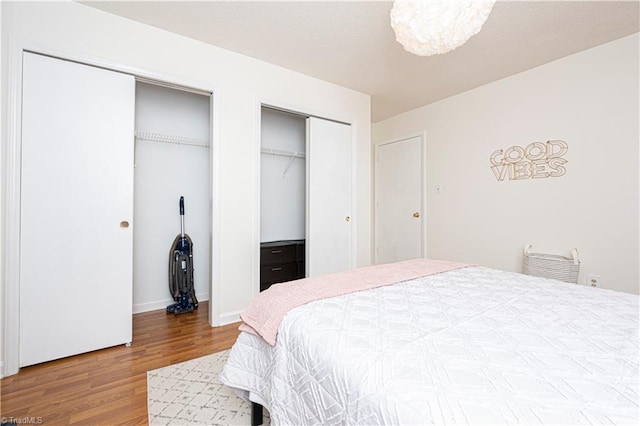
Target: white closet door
(399, 218)
(76, 200)
(329, 219)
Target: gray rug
(190, 393)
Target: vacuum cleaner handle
(182, 217)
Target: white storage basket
(552, 265)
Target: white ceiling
(351, 43)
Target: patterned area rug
(190, 393)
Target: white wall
(3, 89)
(241, 84)
(282, 196)
(163, 173)
(590, 101)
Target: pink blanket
(265, 313)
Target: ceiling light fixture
(433, 27)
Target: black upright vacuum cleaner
(181, 271)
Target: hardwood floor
(109, 386)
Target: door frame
(304, 112)
(12, 182)
(423, 183)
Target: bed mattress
(469, 346)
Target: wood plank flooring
(109, 386)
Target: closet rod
(179, 140)
(282, 152)
(291, 154)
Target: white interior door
(76, 200)
(399, 218)
(329, 223)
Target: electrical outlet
(594, 280)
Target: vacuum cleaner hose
(175, 269)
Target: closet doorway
(305, 196)
(81, 206)
(171, 160)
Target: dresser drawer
(271, 274)
(277, 254)
(281, 261)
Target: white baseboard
(230, 317)
(162, 304)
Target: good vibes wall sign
(535, 161)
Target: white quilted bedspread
(469, 346)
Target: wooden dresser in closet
(281, 261)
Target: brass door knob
(416, 214)
(124, 224)
(347, 219)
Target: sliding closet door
(328, 197)
(76, 205)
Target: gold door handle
(416, 214)
(124, 224)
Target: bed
(465, 345)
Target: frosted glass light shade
(432, 27)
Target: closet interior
(282, 196)
(171, 160)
